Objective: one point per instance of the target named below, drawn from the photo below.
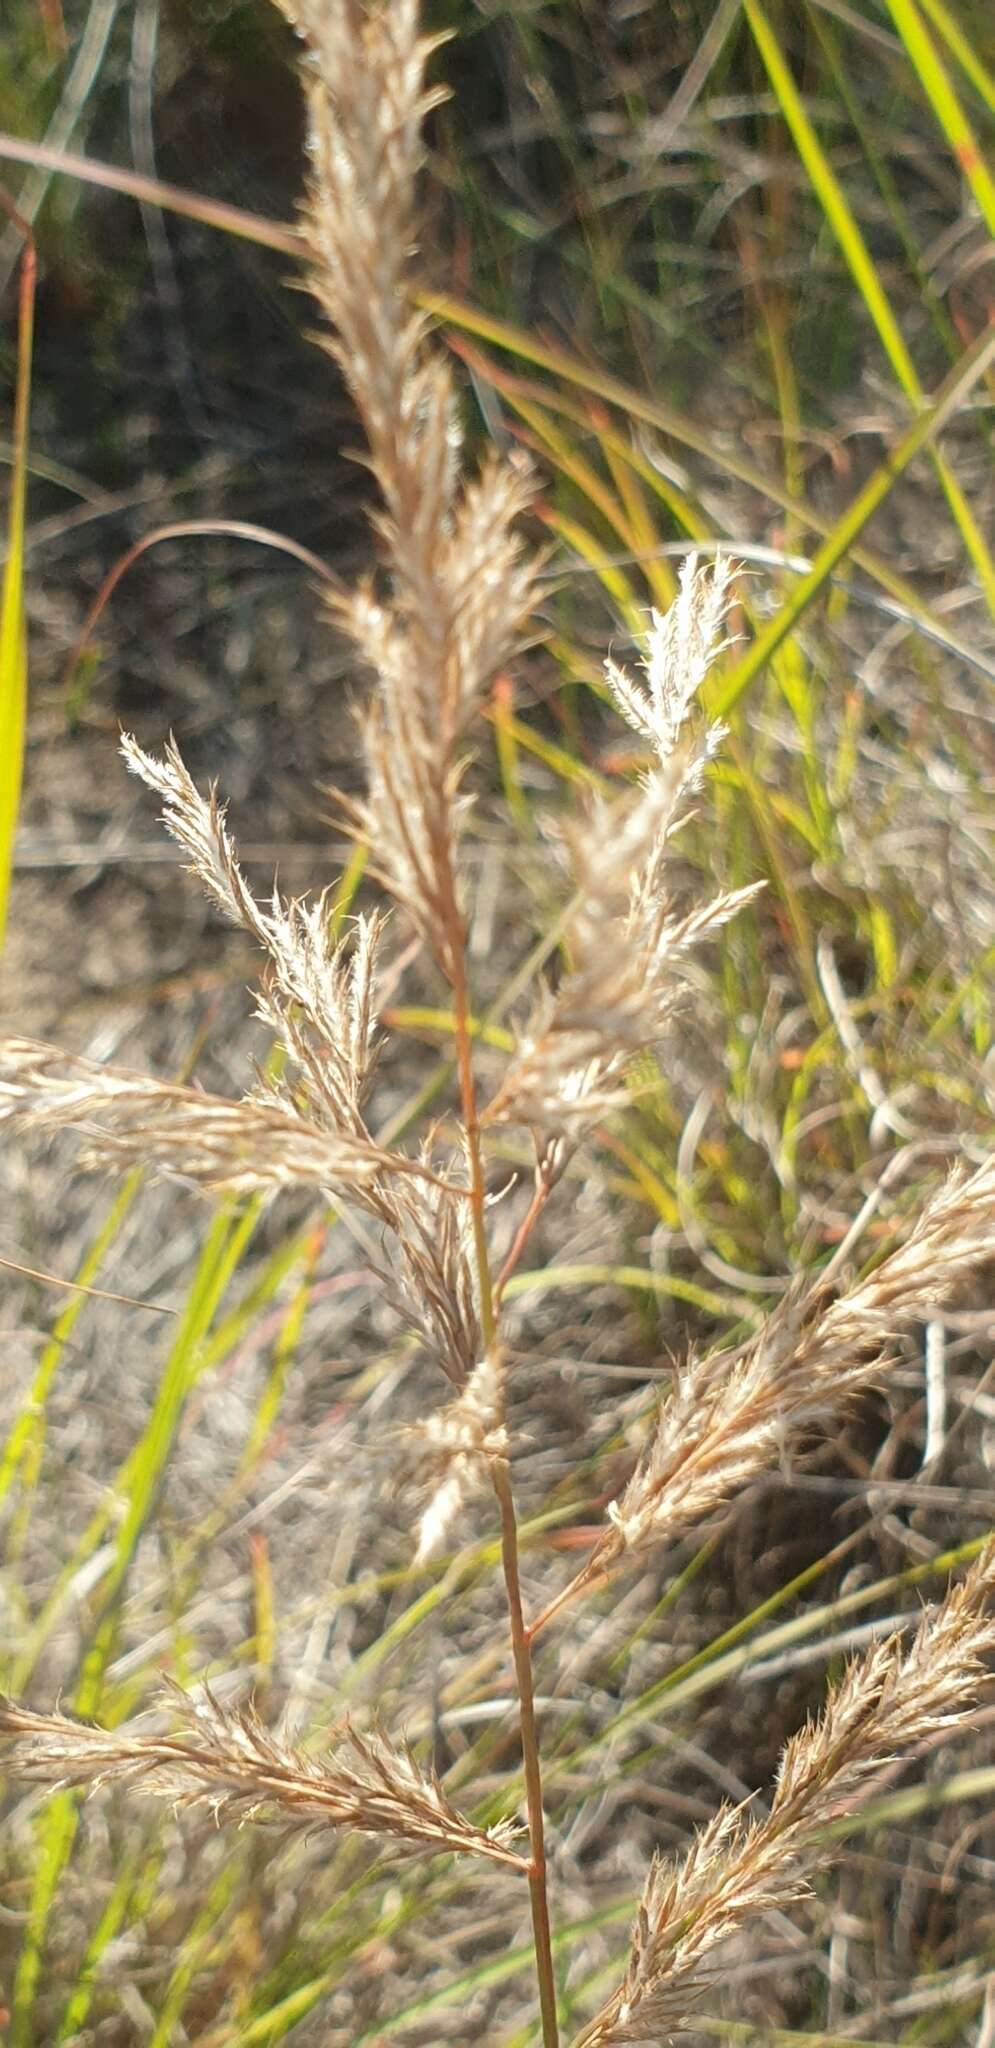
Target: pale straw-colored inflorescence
(628, 946)
(448, 607)
(896, 1698)
(452, 1452)
(461, 587)
(228, 1760)
(733, 1414)
(309, 1129)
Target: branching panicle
(895, 1699)
(628, 947)
(446, 605)
(730, 1415)
(229, 1761)
(255, 1145)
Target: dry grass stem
(228, 1760)
(895, 1699)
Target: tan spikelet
(228, 1760)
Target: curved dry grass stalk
(229, 1761)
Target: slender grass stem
(471, 1124)
(538, 1893)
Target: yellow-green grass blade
(666, 420)
(284, 1352)
(421, 1018)
(640, 1279)
(613, 579)
(946, 106)
(728, 1655)
(858, 258)
(13, 634)
(27, 1434)
(884, 168)
(226, 1241)
(136, 1486)
(955, 387)
(55, 1835)
(915, 1799)
(558, 759)
(561, 453)
(963, 52)
(625, 511)
(504, 1968)
(197, 1945)
(656, 570)
(211, 1352)
(107, 1929)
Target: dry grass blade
(230, 1761)
(895, 1699)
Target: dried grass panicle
(263, 1145)
(226, 1759)
(628, 946)
(319, 994)
(732, 1412)
(461, 585)
(446, 608)
(254, 1145)
(431, 1281)
(897, 1698)
(450, 1455)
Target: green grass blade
(667, 420)
(106, 1931)
(965, 374)
(13, 635)
(947, 107)
(858, 258)
(961, 50)
(136, 1486)
(28, 1431)
(56, 1835)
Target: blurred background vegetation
(710, 262)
